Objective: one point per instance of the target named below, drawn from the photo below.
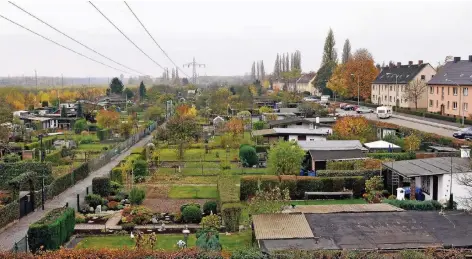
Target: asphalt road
(423, 125)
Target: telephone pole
(36, 78)
(194, 66)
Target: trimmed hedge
(414, 204)
(103, 134)
(262, 148)
(298, 185)
(101, 186)
(59, 185)
(54, 157)
(53, 230)
(394, 156)
(81, 172)
(116, 175)
(9, 171)
(10, 213)
(231, 215)
(367, 174)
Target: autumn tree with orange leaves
(108, 119)
(235, 127)
(353, 128)
(360, 70)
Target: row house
(448, 92)
(390, 87)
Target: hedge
(298, 185)
(341, 165)
(59, 185)
(101, 186)
(54, 157)
(367, 174)
(262, 148)
(81, 172)
(103, 134)
(47, 143)
(53, 230)
(231, 215)
(116, 175)
(414, 204)
(394, 156)
(9, 171)
(228, 191)
(9, 212)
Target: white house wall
(460, 192)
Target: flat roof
(281, 226)
(326, 155)
(330, 145)
(381, 144)
(429, 166)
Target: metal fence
(21, 246)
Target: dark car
(349, 107)
(463, 134)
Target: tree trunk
(412, 188)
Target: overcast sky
(227, 36)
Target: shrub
(53, 230)
(394, 156)
(248, 253)
(367, 174)
(189, 204)
(211, 222)
(248, 155)
(249, 186)
(103, 134)
(140, 168)
(11, 158)
(267, 182)
(192, 214)
(86, 140)
(340, 165)
(113, 205)
(93, 200)
(209, 206)
(116, 174)
(374, 184)
(289, 182)
(414, 204)
(80, 125)
(208, 240)
(79, 218)
(115, 187)
(9, 212)
(101, 186)
(137, 195)
(128, 226)
(231, 214)
(228, 191)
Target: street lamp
(40, 136)
(461, 112)
(396, 85)
(358, 89)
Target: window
(431, 90)
(454, 105)
(390, 88)
(442, 90)
(436, 103)
(437, 90)
(465, 91)
(390, 99)
(430, 103)
(423, 77)
(448, 90)
(466, 106)
(448, 104)
(454, 90)
(385, 98)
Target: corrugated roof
(430, 166)
(281, 226)
(304, 131)
(331, 145)
(289, 120)
(405, 73)
(327, 155)
(306, 78)
(289, 110)
(460, 72)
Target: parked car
(349, 107)
(364, 110)
(311, 99)
(342, 105)
(463, 134)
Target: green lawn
(193, 192)
(197, 171)
(93, 146)
(165, 242)
(198, 154)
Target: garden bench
(344, 193)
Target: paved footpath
(17, 231)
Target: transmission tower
(194, 66)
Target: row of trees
(258, 71)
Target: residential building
(390, 87)
(305, 84)
(448, 91)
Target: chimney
(457, 59)
(399, 64)
(470, 58)
(410, 63)
(465, 152)
(420, 62)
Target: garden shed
(382, 145)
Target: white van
(384, 112)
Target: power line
(125, 35)
(78, 53)
(163, 51)
(52, 27)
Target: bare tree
(414, 91)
